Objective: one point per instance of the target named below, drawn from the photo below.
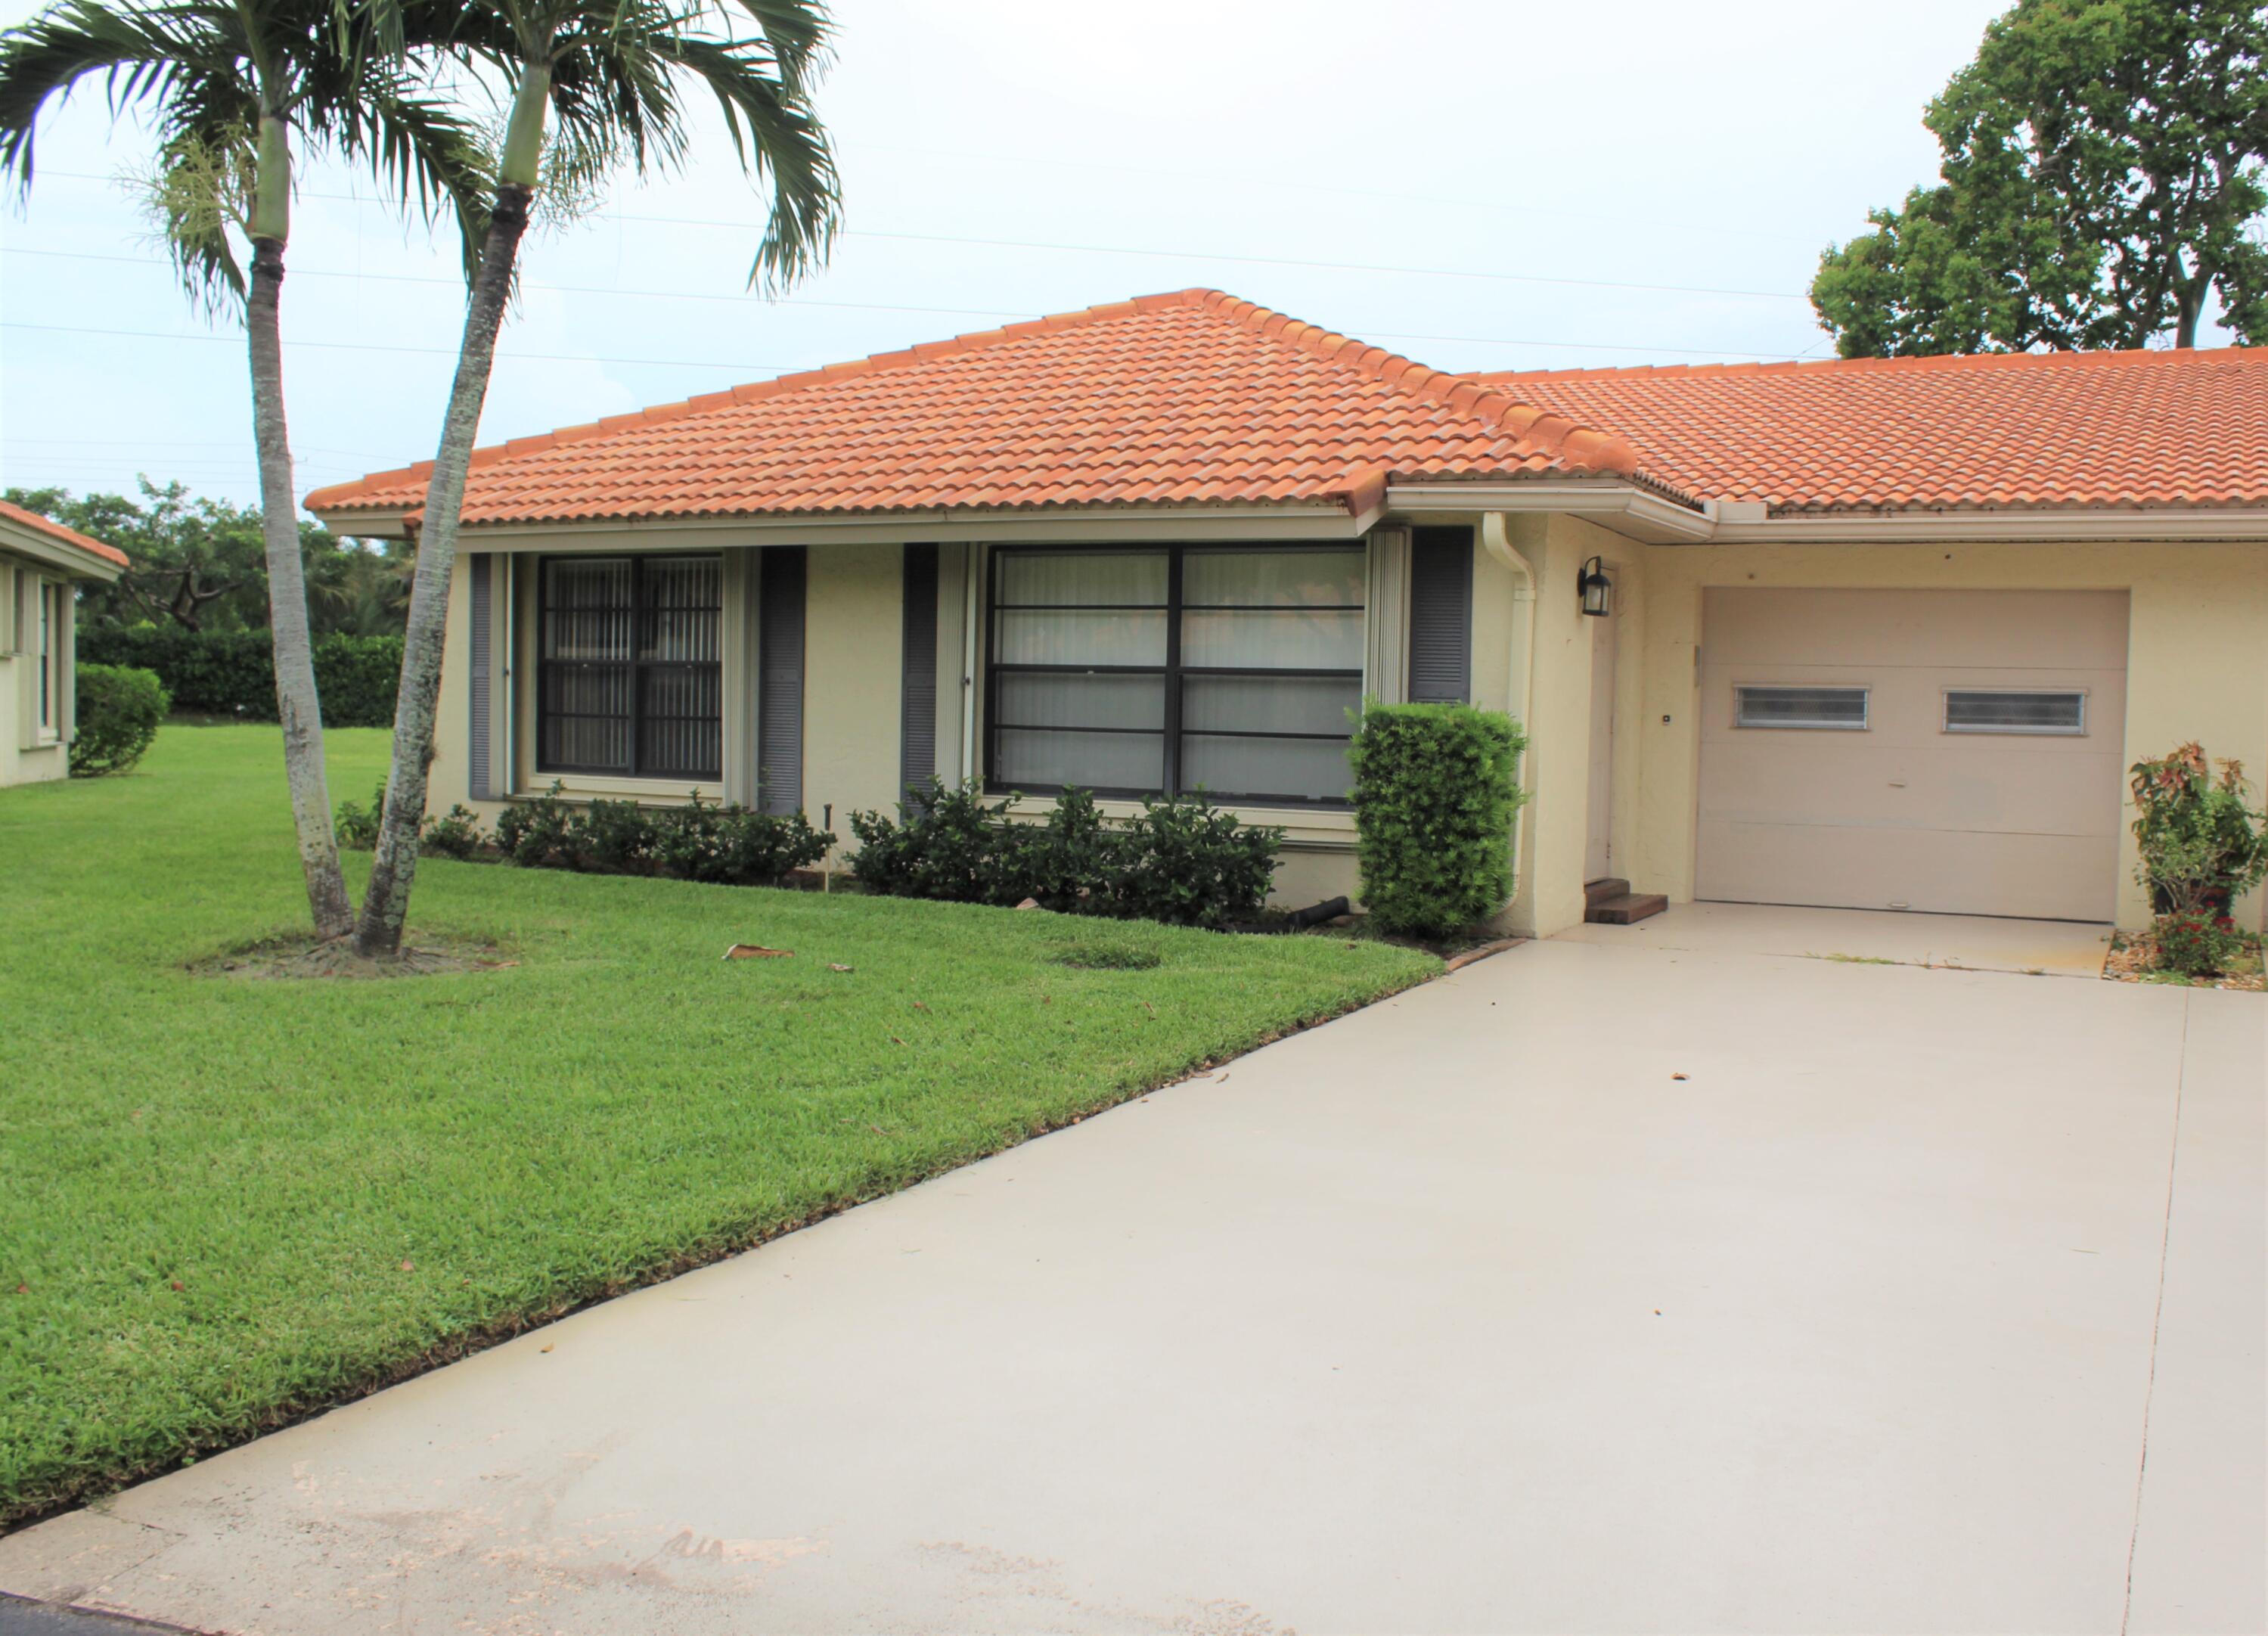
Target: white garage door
(1953, 751)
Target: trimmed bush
(120, 710)
(1182, 861)
(731, 845)
(232, 673)
(1435, 795)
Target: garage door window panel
(2033, 711)
(1815, 709)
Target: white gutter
(1519, 669)
(1624, 507)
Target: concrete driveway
(1603, 1287)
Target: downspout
(1520, 670)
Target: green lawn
(229, 1201)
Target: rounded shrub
(120, 710)
(1434, 794)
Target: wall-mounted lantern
(1596, 590)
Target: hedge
(1433, 800)
(1184, 861)
(232, 673)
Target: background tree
(2102, 178)
(201, 564)
(611, 73)
(230, 85)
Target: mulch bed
(2133, 958)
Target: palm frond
(779, 140)
(139, 55)
(426, 156)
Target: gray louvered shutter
(1441, 616)
(779, 702)
(917, 687)
(480, 688)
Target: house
(1881, 634)
(40, 562)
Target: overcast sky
(1496, 184)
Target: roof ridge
(1948, 362)
(1583, 450)
(339, 494)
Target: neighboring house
(1879, 634)
(38, 562)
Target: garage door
(1952, 751)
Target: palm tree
(230, 85)
(611, 72)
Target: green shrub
(2197, 944)
(120, 710)
(456, 833)
(1435, 795)
(1187, 863)
(534, 833)
(357, 827)
(2198, 837)
(1184, 861)
(729, 846)
(732, 845)
(232, 673)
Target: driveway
(1603, 1287)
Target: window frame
(1172, 674)
(1865, 690)
(49, 653)
(1945, 724)
(637, 667)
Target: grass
(231, 1202)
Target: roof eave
(46, 550)
(1738, 525)
(1324, 517)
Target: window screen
(1843, 708)
(1977, 710)
(1176, 668)
(630, 681)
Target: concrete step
(1624, 909)
(1605, 886)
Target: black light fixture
(1595, 589)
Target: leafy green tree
(2102, 178)
(591, 85)
(229, 87)
(201, 564)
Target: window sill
(645, 792)
(1306, 829)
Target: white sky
(1714, 148)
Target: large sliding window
(1175, 668)
(628, 679)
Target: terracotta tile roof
(1190, 398)
(56, 531)
(2028, 430)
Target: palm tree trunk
(394, 869)
(297, 704)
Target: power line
(651, 295)
(683, 295)
(1131, 250)
(372, 346)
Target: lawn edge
(96, 1486)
